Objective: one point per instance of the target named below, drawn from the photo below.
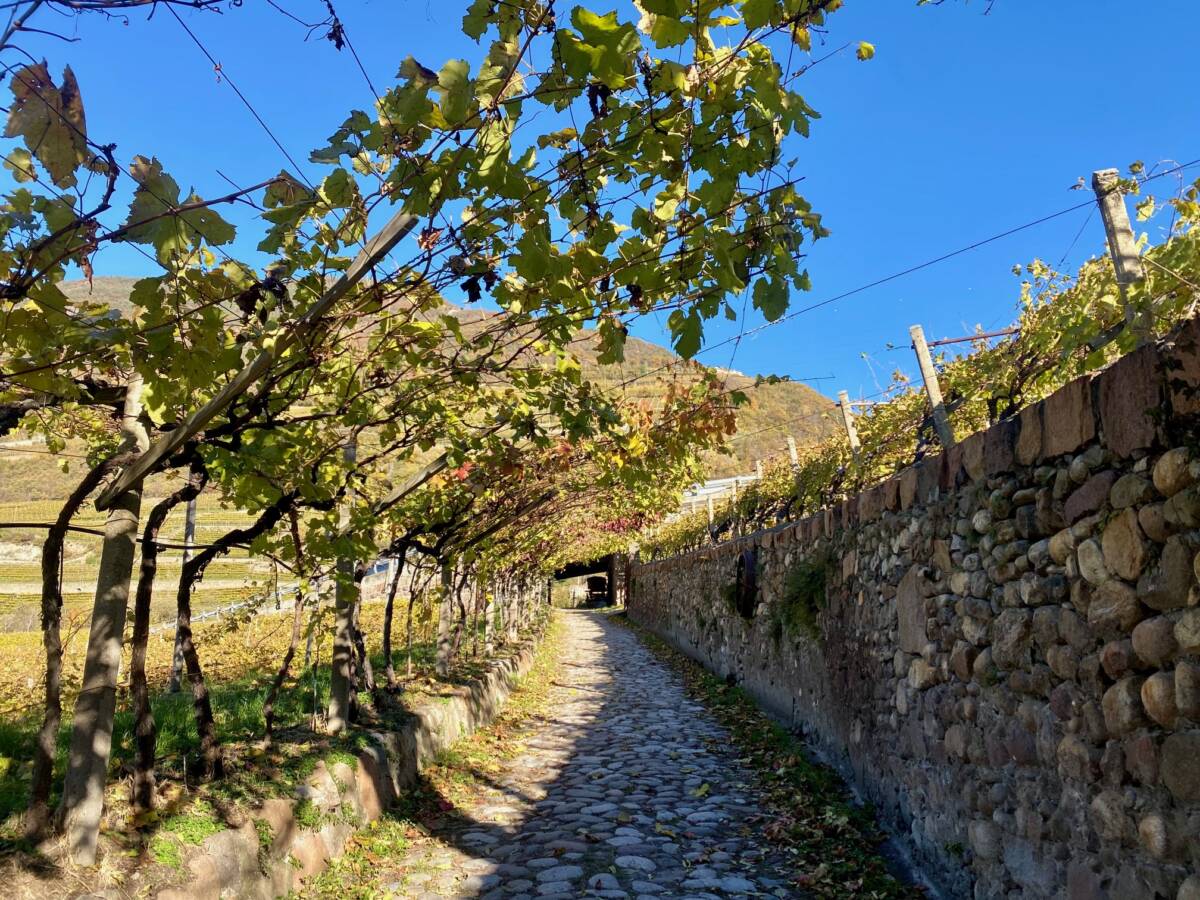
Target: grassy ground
(446, 790)
(145, 853)
(833, 842)
(240, 661)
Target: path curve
(625, 788)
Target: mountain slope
(774, 411)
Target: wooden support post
(792, 454)
(95, 706)
(510, 611)
(489, 618)
(758, 468)
(501, 614)
(345, 594)
(445, 620)
(1122, 248)
(475, 613)
(848, 421)
(710, 509)
(941, 421)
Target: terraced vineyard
(232, 579)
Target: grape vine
(1067, 325)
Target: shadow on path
(625, 788)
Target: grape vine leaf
(456, 89)
(475, 21)
(688, 332)
(604, 49)
(770, 297)
(50, 120)
(153, 217)
(757, 13)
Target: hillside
(775, 410)
(111, 289)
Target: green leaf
(493, 154)
(757, 13)
(207, 224)
(560, 139)
(20, 162)
(456, 88)
(475, 22)
(771, 297)
(676, 9)
(154, 219)
(668, 199)
(284, 191)
(412, 70)
(612, 343)
(157, 193)
(604, 50)
(668, 32)
(339, 188)
(333, 152)
(688, 333)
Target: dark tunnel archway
(604, 565)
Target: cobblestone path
(624, 788)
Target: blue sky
(962, 126)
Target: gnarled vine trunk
(415, 593)
(342, 695)
(297, 617)
(210, 747)
(362, 668)
(475, 598)
(389, 669)
(189, 538)
(282, 674)
(145, 733)
(460, 626)
(445, 623)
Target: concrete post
(1122, 247)
(941, 421)
(848, 422)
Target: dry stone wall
(999, 647)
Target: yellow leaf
(866, 50)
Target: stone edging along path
(235, 861)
